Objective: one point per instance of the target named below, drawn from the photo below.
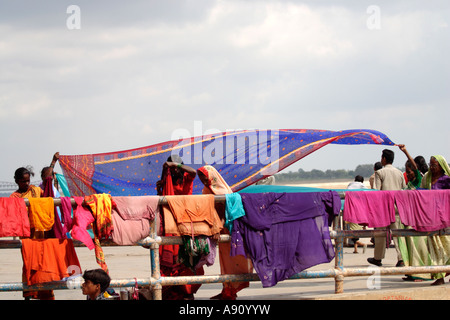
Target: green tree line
(365, 170)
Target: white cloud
(133, 74)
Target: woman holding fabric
(176, 179)
(438, 177)
(414, 250)
(215, 184)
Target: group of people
(413, 251)
(178, 179)
(96, 281)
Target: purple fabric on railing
(285, 233)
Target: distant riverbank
(325, 184)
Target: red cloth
(66, 215)
(169, 253)
(48, 260)
(183, 189)
(14, 221)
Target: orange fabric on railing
(42, 213)
(48, 259)
(194, 215)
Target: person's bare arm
(403, 149)
(54, 160)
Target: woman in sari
(26, 190)
(438, 177)
(414, 250)
(215, 184)
(176, 179)
(22, 178)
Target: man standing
(387, 178)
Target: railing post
(156, 273)
(339, 262)
(156, 288)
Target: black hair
(377, 166)
(359, 178)
(98, 276)
(44, 171)
(388, 155)
(19, 173)
(408, 164)
(421, 164)
(175, 158)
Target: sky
(83, 77)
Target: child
(95, 284)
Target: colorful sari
(438, 246)
(101, 207)
(33, 192)
(414, 250)
(228, 264)
(415, 184)
(169, 262)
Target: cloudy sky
(116, 75)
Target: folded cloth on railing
(101, 207)
(66, 216)
(373, 209)
(51, 191)
(42, 213)
(233, 209)
(285, 233)
(197, 252)
(128, 232)
(47, 260)
(131, 218)
(191, 215)
(14, 221)
(424, 210)
(82, 219)
(136, 208)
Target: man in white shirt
(387, 178)
(357, 184)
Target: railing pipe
(156, 281)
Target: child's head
(22, 177)
(95, 282)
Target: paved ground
(131, 262)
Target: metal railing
(156, 281)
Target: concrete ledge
(432, 293)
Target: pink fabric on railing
(82, 219)
(375, 209)
(424, 210)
